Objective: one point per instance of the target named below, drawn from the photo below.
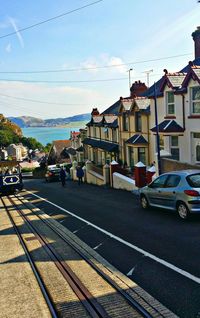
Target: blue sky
(107, 33)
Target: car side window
(172, 181)
(159, 182)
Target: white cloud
(102, 63)
(91, 64)
(113, 61)
(68, 100)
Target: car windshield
(194, 180)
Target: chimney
(137, 89)
(95, 112)
(196, 38)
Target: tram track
(87, 299)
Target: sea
(47, 134)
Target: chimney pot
(196, 38)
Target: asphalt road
(155, 248)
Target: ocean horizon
(47, 134)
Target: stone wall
(168, 165)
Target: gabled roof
(173, 80)
(127, 103)
(194, 73)
(137, 139)
(109, 118)
(105, 145)
(59, 145)
(142, 102)
(97, 119)
(150, 92)
(168, 126)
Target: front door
(196, 148)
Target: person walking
(79, 174)
(62, 176)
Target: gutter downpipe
(183, 109)
(157, 131)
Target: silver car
(176, 190)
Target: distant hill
(28, 121)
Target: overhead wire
(50, 19)
(39, 101)
(96, 67)
(63, 81)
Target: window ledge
(194, 116)
(170, 117)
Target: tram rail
(87, 299)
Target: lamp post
(129, 76)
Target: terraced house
(121, 132)
(178, 108)
(101, 143)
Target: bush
(27, 169)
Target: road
(155, 248)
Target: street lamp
(129, 76)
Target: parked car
(176, 190)
(52, 173)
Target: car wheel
(144, 202)
(182, 210)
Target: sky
(63, 58)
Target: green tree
(47, 147)
(7, 137)
(31, 143)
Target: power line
(94, 68)
(50, 19)
(39, 101)
(84, 81)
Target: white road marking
(95, 248)
(130, 273)
(136, 248)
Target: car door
(167, 195)
(155, 190)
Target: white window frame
(193, 101)
(168, 104)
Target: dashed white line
(136, 248)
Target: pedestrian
(79, 174)
(62, 176)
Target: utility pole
(148, 72)
(129, 76)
